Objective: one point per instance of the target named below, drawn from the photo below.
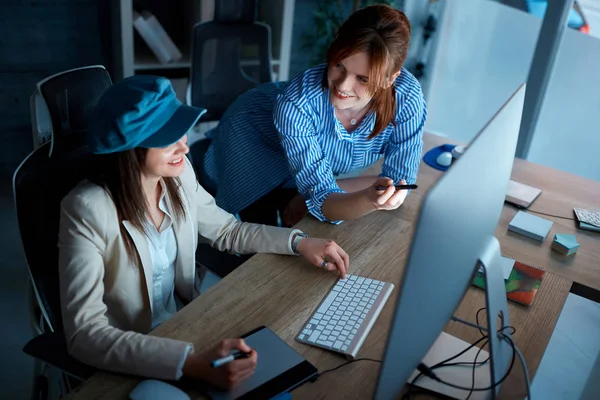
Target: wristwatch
(299, 236)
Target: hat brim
(184, 119)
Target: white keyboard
(346, 315)
(588, 216)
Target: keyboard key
(327, 302)
(327, 332)
(360, 280)
(360, 321)
(344, 318)
(314, 336)
(301, 337)
(324, 343)
(306, 332)
(344, 348)
(332, 338)
(338, 345)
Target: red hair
(382, 32)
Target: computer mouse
(151, 389)
(444, 159)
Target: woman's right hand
(388, 199)
(198, 365)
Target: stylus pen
(233, 355)
(398, 187)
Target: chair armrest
(51, 348)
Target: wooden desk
(281, 292)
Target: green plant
(327, 18)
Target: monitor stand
(501, 352)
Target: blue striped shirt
(280, 135)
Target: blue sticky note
(567, 241)
(530, 225)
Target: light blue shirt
(163, 254)
(287, 135)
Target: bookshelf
(133, 56)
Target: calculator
(588, 219)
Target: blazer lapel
(141, 245)
(185, 264)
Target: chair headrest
(71, 97)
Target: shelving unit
(132, 55)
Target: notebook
(530, 226)
(520, 194)
(522, 284)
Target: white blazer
(106, 300)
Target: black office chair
(39, 184)
(218, 76)
(218, 71)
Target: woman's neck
(151, 189)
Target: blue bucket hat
(139, 111)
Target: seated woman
(278, 150)
(128, 235)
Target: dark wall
(39, 38)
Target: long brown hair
(120, 174)
(383, 33)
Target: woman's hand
(325, 254)
(198, 365)
(295, 211)
(388, 199)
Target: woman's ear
(393, 79)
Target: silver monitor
(454, 236)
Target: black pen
(233, 355)
(398, 187)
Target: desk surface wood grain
(281, 292)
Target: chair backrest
(217, 67)
(50, 172)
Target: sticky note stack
(531, 226)
(565, 244)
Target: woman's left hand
(325, 253)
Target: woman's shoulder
(306, 86)
(87, 197)
(408, 92)
(407, 86)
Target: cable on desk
(550, 215)
(540, 213)
(523, 364)
(348, 362)
(429, 371)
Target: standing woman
(279, 150)
(128, 237)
